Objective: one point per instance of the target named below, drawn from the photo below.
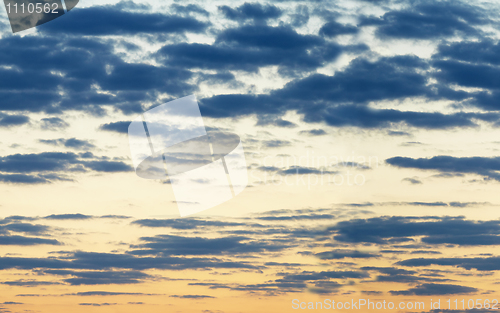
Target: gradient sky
(371, 132)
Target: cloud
(429, 20)
(178, 245)
(7, 120)
(71, 143)
(110, 21)
(47, 167)
(33, 229)
(333, 29)
(252, 11)
(265, 120)
(15, 240)
(192, 297)
(412, 181)
(117, 127)
(29, 283)
(485, 51)
(104, 261)
(37, 84)
(250, 47)
(487, 167)
(76, 216)
(185, 223)
(313, 132)
(385, 230)
(480, 264)
(53, 123)
(188, 9)
(298, 217)
(275, 143)
(338, 101)
(29, 179)
(97, 304)
(313, 276)
(342, 254)
(100, 277)
(436, 289)
(107, 293)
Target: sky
(371, 132)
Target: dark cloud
(29, 283)
(397, 133)
(487, 167)
(40, 64)
(100, 277)
(47, 167)
(117, 127)
(249, 47)
(436, 289)
(30, 179)
(105, 261)
(384, 230)
(76, 216)
(429, 20)
(185, 223)
(303, 217)
(71, 143)
(177, 245)
(301, 170)
(412, 181)
(32, 229)
(333, 29)
(7, 120)
(480, 264)
(192, 296)
(342, 254)
(312, 276)
(107, 20)
(301, 16)
(275, 143)
(53, 123)
(340, 100)
(15, 240)
(266, 120)
(107, 293)
(313, 132)
(188, 9)
(251, 11)
(485, 51)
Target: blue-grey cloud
(487, 167)
(9, 120)
(178, 245)
(333, 29)
(186, 223)
(53, 123)
(107, 20)
(117, 127)
(71, 143)
(429, 20)
(251, 11)
(478, 263)
(436, 289)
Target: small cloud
(71, 143)
(53, 123)
(412, 181)
(117, 127)
(313, 132)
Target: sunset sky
(371, 132)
